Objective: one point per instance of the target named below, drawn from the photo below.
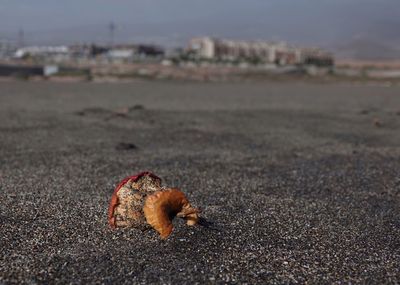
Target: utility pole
(21, 38)
(111, 28)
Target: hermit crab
(140, 199)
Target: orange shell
(161, 208)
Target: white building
(267, 52)
(121, 54)
(55, 52)
(209, 48)
(203, 47)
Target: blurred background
(360, 36)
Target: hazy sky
(324, 22)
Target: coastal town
(201, 58)
(209, 49)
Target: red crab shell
(114, 199)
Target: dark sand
(300, 181)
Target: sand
(298, 181)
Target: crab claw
(163, 206)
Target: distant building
(96, 50)
(41, 50)
(121, 54)
(203, 47)
(150, 50)
(256, 51)
(317, 57)
(208, 48)
(132, 52)
(44, 52)
(7, 49)
(128, 51)
(76, 53)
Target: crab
(141, 199)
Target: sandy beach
(299, 181)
